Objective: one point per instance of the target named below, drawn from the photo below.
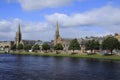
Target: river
(22, 67)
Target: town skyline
(76, 19)
(57, 27)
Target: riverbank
(96, 56)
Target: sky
(76, 18)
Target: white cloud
(30, 30)
(41, 4)
(4, 26)
(106, 17)
(6, 29)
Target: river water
(22, 67)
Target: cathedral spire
(57, 30)
(57, 38)
(18, 37)
(19, 31)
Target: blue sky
(77, 18)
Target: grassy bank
(96, 56)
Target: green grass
(96, 56)
(2, 52)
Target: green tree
(119, 46)
(97, 45)
(92, 45)
(74, 45)
(36, 47)
(110, 43)
(58, 47)
(20, 47)
(45, 47)
(27, 47)
(13, 47)
(39, 40)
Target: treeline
(109, 44)
(28, 47)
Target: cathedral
(57, 38)
(18, 37)
(64, 41)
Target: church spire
(57, 38)
(57, 30)
(18, 37)
(19, 31)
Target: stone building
(57, 38)
(66, 41)
(5, 45)
(117, 36)
(18, 39)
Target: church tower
(18, 37)
(57, 31)
(57, 38)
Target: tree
(119, 46)
(74, 45)
(58, 47)
(36, 47)
(45, 47)
(20, 47)
(27, 47)
(39, 40)
(110, 43)
(96, 45)
(13, 47)
(92, 45)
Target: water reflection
(21, 67)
